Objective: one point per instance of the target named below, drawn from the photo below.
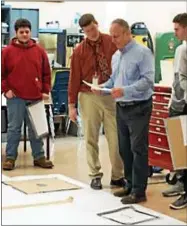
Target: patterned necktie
(101, 63)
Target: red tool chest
(159, 153)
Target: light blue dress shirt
(133, 70)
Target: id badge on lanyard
(95, 79)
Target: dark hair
(86, 20)
(181, 19)
(22, 23)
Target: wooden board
(176, 143)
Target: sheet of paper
(93, 86)
(3, 100)
(167, 72)
(183, 119)
(128, 215)
(38, 118)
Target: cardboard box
(176, 128)
(41, 185)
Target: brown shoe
(9, 164)
(43, 163)
(133, 198)
(122, 192)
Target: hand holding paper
(117, 92)
(72, 113)
(97, 92)
(9, 94)
(96, 88)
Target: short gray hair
(122, 23)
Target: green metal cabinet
(166, 44)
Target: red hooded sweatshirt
(25, 70)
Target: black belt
(131, 103)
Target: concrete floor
(70, 160)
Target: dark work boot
(122, 192)
(118, 183)
(96, 184)
(133, 198)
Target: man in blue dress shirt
(132, 83)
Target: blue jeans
(17, 112)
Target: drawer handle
(157, 152)
(157, 113)
(157, 128)
(159, 140)
(166, 98)
(158, 121)
(166, 107)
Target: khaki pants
(94, 110)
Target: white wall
(157, 15)
(64, 12)
(114, 10)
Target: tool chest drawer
(160, 114)
(162, 89)
(158, 106)
(158, 140)
(160, 157)
(157, 121)
(158, 129)
(161, 98)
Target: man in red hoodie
(26, 78)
